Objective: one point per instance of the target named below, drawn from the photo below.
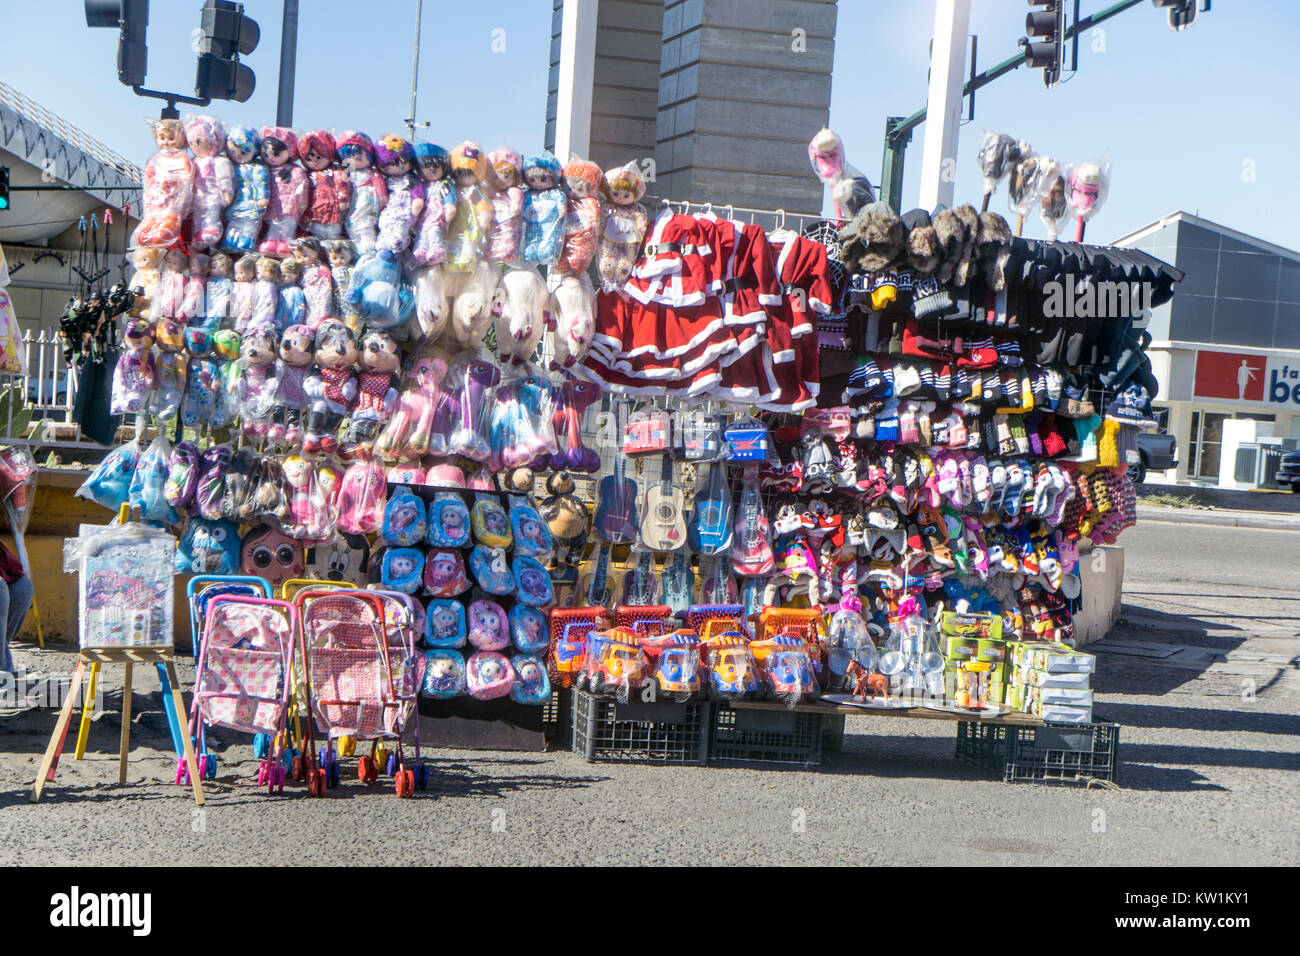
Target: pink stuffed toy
(362, 497)
(409, 434)
(288, 190)
(214, 178)
(505, 170)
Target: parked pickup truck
(1157, 451)
(1288, 473)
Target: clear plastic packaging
(911, 658)
(1087, 185)
(475, 380)
(168, 187)
(126, 586)
(1053, 208)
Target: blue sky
(1189, 118)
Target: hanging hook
(731, 211)
(781, 223)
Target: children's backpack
(488, 675)
(491, 570)
(444, 573)
(528, 629)
(490, 524)
(448, 522)
(532, 537)
(444, 623)
(404, 519)
(402, 569)
(532, 582)
(444, 674)
(531, 685)
(489, 628)
(110, 482)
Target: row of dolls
(388, 195)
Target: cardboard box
(1058, 659)
(991, 650)
(1064, 696)
(1036, 678)
(977, 626)
(960, 648)
(1064, 714)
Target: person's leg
(6, 657)
(20, 602)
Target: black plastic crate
(1055, 753)
(557, 716)
(777, 737)
(661, 732)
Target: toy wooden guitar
(677, 581)
(663, 513)
(710, 530)
(717, 586)
(616, 514)
(598, 588)
(640, 583)
(751, 555)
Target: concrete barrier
(1101, 571)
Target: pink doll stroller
(361, 683)
(243, 675)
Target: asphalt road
(1210, 753)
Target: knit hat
(906, 379)
(929, 298)
(980, 353)
(1008, 350)
(1131, 407)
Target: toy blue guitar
(710, 529)
(616, 521)
(677, 581)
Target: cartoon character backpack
(448, 523)
(528, 629)
(531, 686)
(404, 521)
(444, 674)
(444, 573)
(532, 582)
(488, 675)
(532, 537)
(343, 557)
(491, 570)
(402, 569)
(109, 483)
(270, 553)
(490, 524)
(444, 623)
(208, 547)
(489, 628)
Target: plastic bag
(997, 154)
(474, 378)
(13, 356)
(911, 658)
(1087, 185)
(149, 482)
(1053, 209)
(362, 496)
(109, 483)
(1029, 178)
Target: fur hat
(881, 236)
(969, 261)
(950, 229)
(924, 251)
(994, 249)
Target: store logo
(77, 909)
(1232, 376)
(1284, 385)
(1073, 299)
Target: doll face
(245, 270)
(290, 271)
(268, 270)
(340, 255)
(257, 348)
(490, 671)
(175, 261)
(485, 619)
(444, 570)
(532, 581)
(379, 353)
(335, 347)
(528, 673)
(445, 623)
(539, 178)
(495, 522)
(139, 335)
(530, 529)
(296, 346)
(578, 186)
(504, 175)
(453, 523)
(199, 266)
(398, 167)
(201, 141)
(220, 266)
(432, 169)
(354, 157)
(275, 152)
(403, 514)
(622, 197)
(169, 134)
(315, 160)
(401, 567)
(241, 150)
(146, 259)
(441, 671)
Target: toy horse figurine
(863, 682)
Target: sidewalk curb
(1268, 522)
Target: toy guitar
(677, 581)
(717, 586)
(597, 588)
(640, 583)
(663, 513)
(616, 515)
(751, 555)
(710, 530)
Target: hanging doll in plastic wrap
(525, 304)
(171, 365)
(376, 389)
(544, 209)
(243, 291)
(288, 190)
(331, 388)
(625, 225)
(1053, 208)
(368, 190)
(292, 307)
(1087, 184)
(169, 295)
(218, 294)
(316, 282)
(505, 170)
(1027, 182)
(144, 281)
(193, 303)
(338, 253)
(469, 229)
(412, 432)
(203, 383)
(252, 190)
(257, 351)
(292, 364)
(134, 376)
(329, 189)
(434, 166)
(226, 344)
(214, 178)
(168, 187)
(396, 160)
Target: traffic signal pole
(898, 129)
(288, 64)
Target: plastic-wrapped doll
(243, 292)
(432, 310)
(266, 295)
(339, 254)
(331, 388)
(625, 225)
(133, 378)
(291, 367)
(203, 384)
(475, 298)
(168, 187)
(395, 159)
(169, 297)
(544, 209)
(583, 180)
(292, 309)
(171, 366)
(214, 178)
(376, 388)
(328, 187)
(193, 305)
(218, 294)
(434, 165)
(229, 395)
(144, 281)
(257, 380)
(476, 378)
(469, 230)
(505, 170)
(317, 281)
(288, 190)
(369, 193)
(575, 307)
(409, 432)
(523, 313)
(252, 190)
(377, 292)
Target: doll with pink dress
(505, 170)
(214, 179)
(288, 190)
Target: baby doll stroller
(360, 682)
(242, 675)
(199, 593)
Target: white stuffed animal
(523, 315)
(473, 296)
(432, 310)
(575, 319)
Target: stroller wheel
(367, 771)
(405, 783)
(261, 746)
(299, 769)
(347, 746)
(209, 765)
(421, 776)
(316, 783)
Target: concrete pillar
(943, 107)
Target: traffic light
(4, 188)
(1045, 45)
(1182, 13)
(132, 17)
(225, 35)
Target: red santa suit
(804, 275)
